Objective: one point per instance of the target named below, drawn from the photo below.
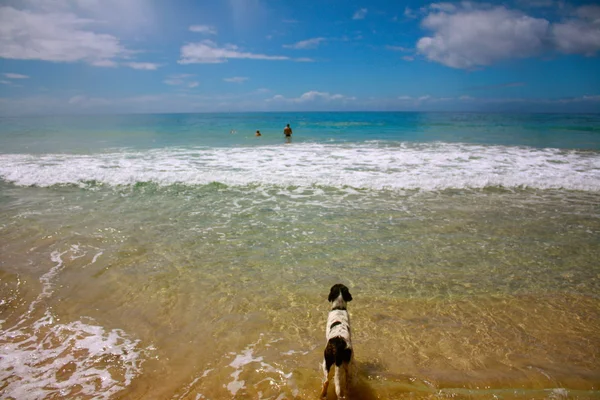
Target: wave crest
(431, 166)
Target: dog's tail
(337, 352)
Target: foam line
(430, 166)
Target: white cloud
(360, 14)
(306, 44)
(445, 7)
(408, 58)
(104, 63)
(207, 52)
(312, 96)
(398, 48)
(236, 79)
(181, 79)
(580, 35)
(5, 82)
(209, 30)
(11, 75)
(408, 13)
(473, 37)
(590, 13)
(55, 36)
(72, 30)
(143, 65)
(194, 84)
(126, 16)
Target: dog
(339, 344)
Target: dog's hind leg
(325, 368)
(340, 380)
(348, 376)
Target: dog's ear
(333, 293)
(346, 294)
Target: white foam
(47, 282)
(431, 166)
(94, 362)
(238, 363)
(273, 376)
(44, 358)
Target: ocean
(178, 256)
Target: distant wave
(431, 166)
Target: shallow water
(220, 292)
(180, 257)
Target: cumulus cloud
(236, 79)
(579, 35)
(360, 14)
(11, 75)
(473, 35)
(312, 96)
(590, 13)
(207, 52)
(143, 65)
(72, 30)
(59, 37)
(306, 44)
(476, 37)
(123, 16)
(209, 30)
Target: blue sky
(106, 56)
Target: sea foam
(42, 357)
(373, 165)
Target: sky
(146, 56)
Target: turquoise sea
(178, 256)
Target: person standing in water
(287, 131)
(257, 133)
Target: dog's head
(339, 295)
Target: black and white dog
(339, 345)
